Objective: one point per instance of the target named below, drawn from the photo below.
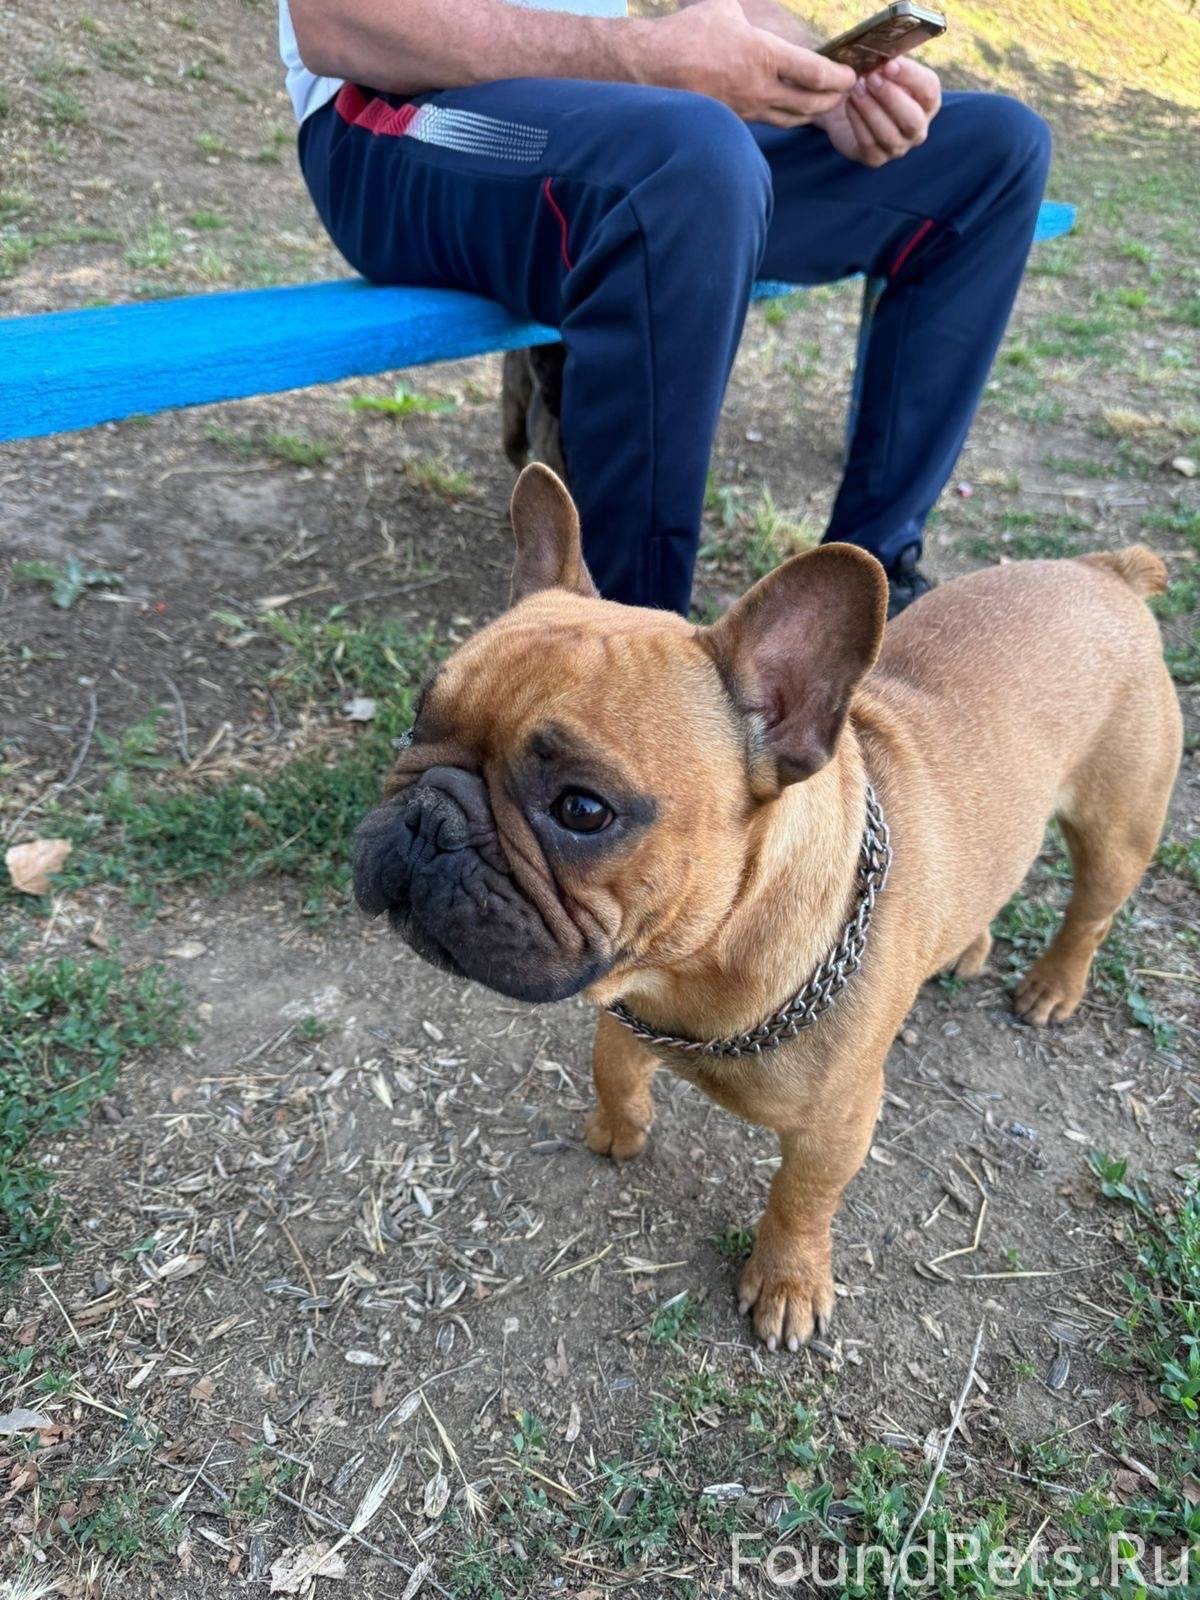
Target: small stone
(909, 1036)
(189, 950)
(1184, 465)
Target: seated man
(626, 180)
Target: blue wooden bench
(74, 369)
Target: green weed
(66, 1027)
(1181, 857)
(140, 747)
(735, 1243)
(291, 449)
(296, 449)
(154, 248)
(1183, 660)
(126, 1527)
(674, 1319)
(67, 583)
(404, 403)
(61, 107)
(253, 1497)
(15, 251)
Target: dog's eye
(581, 812)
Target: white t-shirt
(310, 92)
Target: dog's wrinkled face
(579, 794)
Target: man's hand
(711, 48)
(885, 115)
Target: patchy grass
(1181, 857)
(65, 1030)
(721, 1458)
(1029, 535)
(60, 107)
(298, 819)
(290, 449)
(754, 535)
(433, 475)
(155, 248)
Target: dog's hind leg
(974, 958)
(621, 1070)
(1111, 839)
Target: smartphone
(894, 32)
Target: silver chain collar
(826, 984)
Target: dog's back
(1017, 693)
(1043, 639)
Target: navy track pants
(636, 220)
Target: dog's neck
(794, 898)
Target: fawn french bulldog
(750, 844)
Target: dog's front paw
(790, 1294)
(611, 1134)
(1047, 994)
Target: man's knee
(1005, 133)
(704, 160)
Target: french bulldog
(750, 844)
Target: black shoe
(906, 581)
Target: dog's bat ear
(546, 527)
(794, 648)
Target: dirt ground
(350, 1221)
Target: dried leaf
(182, 1266)
(437, 1495)
(1059, 1370)
(30, 865)
(406, 1407)
(419, 1573)
(574, 1423)
(293, 1570)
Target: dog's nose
(453, 803)
(434, 816)
(444, 812)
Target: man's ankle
(906, 581)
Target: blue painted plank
(1055, 218)
(74, 369)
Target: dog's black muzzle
(431, 859)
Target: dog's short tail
(1140, 568)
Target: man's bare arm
(712, 48)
